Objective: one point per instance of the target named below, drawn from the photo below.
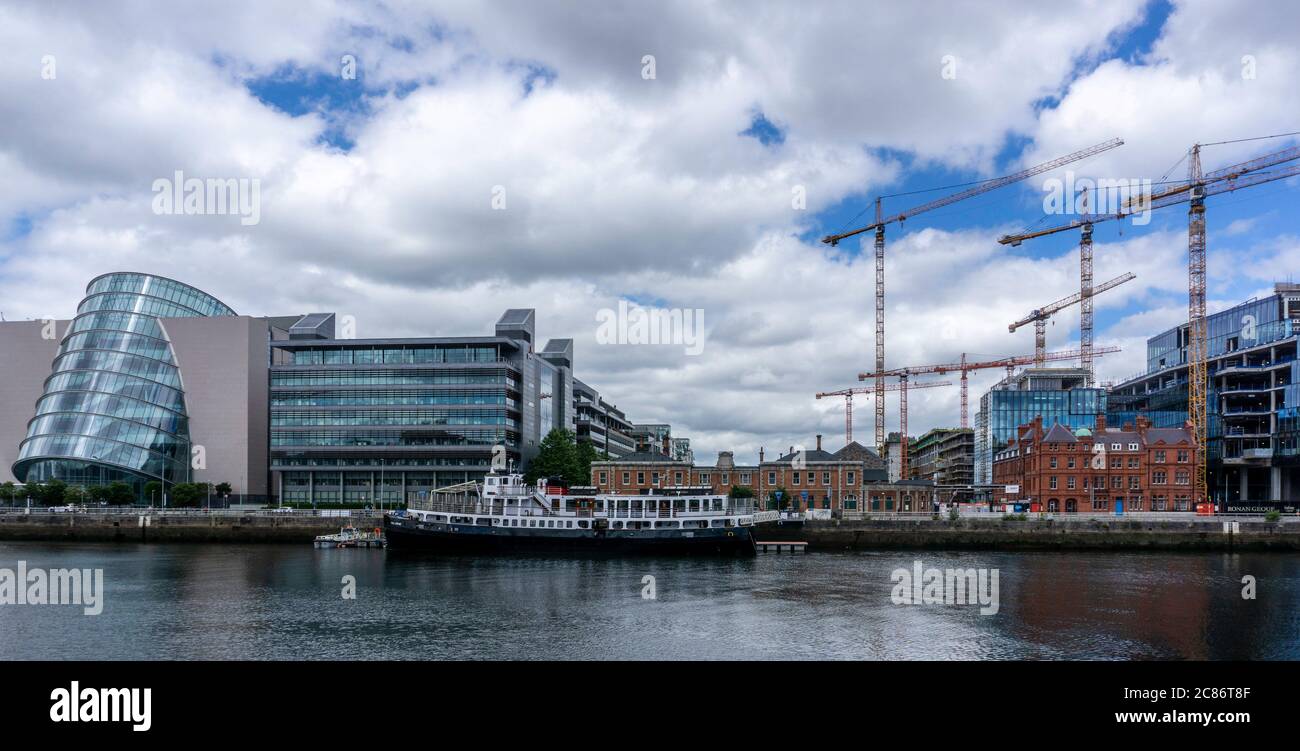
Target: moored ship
(505, 513)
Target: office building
(1057, 395)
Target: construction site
(1229, 378)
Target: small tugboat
(351, 537)
(505, 513)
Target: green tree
(153, 492)
(75, 495)
(186, 494)
(54, 492)
(120, 494)
(586, 454)
(8, 492)
(222, 488)
(741, 491)
(778, 499)
(557, 457)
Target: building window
(1116, 446)
(1134, 483)
(1182, 478)
(704, 478)
(1132, 447)
(627, 478)
(1159, 477)
(654, 478)
(1051, 483)
(826, 478)
(1069, 482)
(1069, 463)
(677, 478)
(602, 478)
(1052, 463)
(848, 478)
(744, 478)
(794, 476)
(1160, 457)
(1182, 457)
(640, 478)
(771, 478)
(726, 478)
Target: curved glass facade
(113, 408)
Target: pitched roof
(857, 452)
(1059, 434)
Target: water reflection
(284, 602)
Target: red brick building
(852, 479)
(1139, 466)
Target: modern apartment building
(945, 456)
(600, 423)
(1057, 395)
(653, 437)
(1253, 396)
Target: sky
(424, 166)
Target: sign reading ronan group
(1261, 507)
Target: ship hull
(407, 534)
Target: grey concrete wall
(25, 359)
(224, 374)
(127, 527)
(1036, 534)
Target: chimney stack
(1101, 423)
(760, 454)
(819, 441)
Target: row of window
(380, 438)
(724, 478)
(394, 398)
(390, 378)
(113, 405)
(394, 355)
(1117, 481)
(122, 384)
(119, 362)
(143, 284)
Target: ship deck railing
(497, 509)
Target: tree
(779, 499)
(741, 491)
(153, 491)
(222, 488)
(586, 454)
(120, 494)
(98, 494)
(186, 494)
(75, 495)
(54, 491)
(8, 492)
(557, 457)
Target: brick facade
(1144, 468)
(852, 479)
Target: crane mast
(879, 227)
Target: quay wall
(215, 527)
(1040, 534)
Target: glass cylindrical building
(114, 407)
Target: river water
(286, 602)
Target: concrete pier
(173, 527)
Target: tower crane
(1040, 315)
(1199, 186)
(882, 221)
(963, 366)
(870, 391)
